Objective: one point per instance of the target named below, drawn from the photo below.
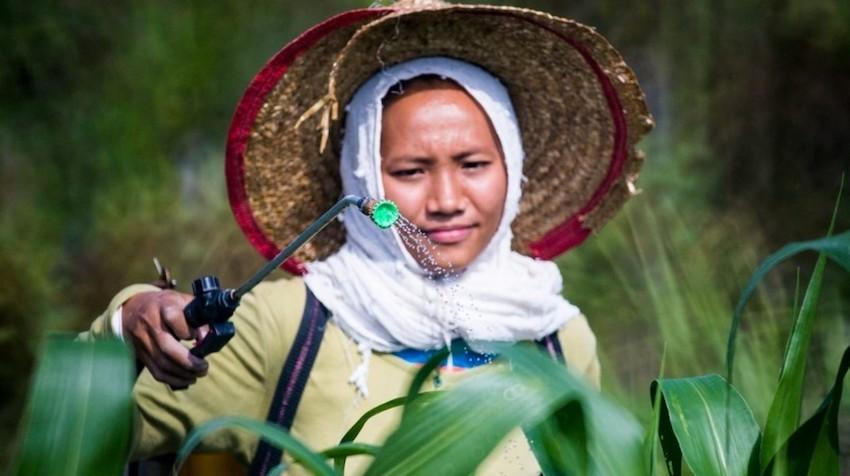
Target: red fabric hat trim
(572, 232)
(563, 237)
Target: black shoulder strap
(552, 346)
(292, 380)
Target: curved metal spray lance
(214, 306)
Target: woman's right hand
(154, 323)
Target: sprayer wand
(214, 306)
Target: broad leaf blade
(80, 410)
(784, 414)
(560, 442)
(669, 443)
(618, 452)
(813, 449)
(711, 442)
(459, 428)
(462, 426)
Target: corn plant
(702, 421)
(79, 414)
(707, 423)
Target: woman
(504, 135)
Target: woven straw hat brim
(277, 181)
(579, 106)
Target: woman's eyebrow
(415, 159)
(467, 153)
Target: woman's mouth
(449, 235)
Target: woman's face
(443, 166)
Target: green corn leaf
(695, 426)
(351, 434)
(460, 427)
(588, 436)
(413, 393)
(350, 449)
(835, 247)
(651, 440)
(616, 439)
(560, 442)
(423, 373)
(79, 418)
(784, 414)
(543, 439)
(310, 460)
(342, 451)
(355, 429)
(813, 448)
(666, 436)
(278, 470)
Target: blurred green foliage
(114, 117)
(79, 418)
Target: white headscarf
(376, 291)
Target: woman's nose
(446, 196)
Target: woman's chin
(449, 258)
(445, 258)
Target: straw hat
(579, 106)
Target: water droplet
(442, 284)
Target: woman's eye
(406, 172)
(475, 164)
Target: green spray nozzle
(383, 213)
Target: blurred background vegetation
(114, 118)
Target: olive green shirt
(243, 376)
